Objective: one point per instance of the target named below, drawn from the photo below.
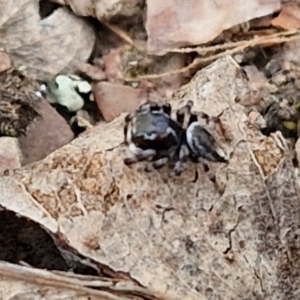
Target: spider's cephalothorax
(201, 144)
(153, 136)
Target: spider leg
(160, 162)
(154, 106)
(149, 106)
(215, 120)
(193, 118)
(183, 112)
(180, 164)
(206, 117)
(210, 174)
(130, 116)
(125, 133)
(127, 120)
(140, 155)
(148, 168)
(167, 108)
(157, 164)
(212, 177)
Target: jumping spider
(153, 136)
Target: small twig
(46, 278)
(204, 50)
(121, 33)
(273, 39)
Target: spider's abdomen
(202, 144)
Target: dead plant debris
(76, 223)
(17, 104)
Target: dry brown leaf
(171, 24)
(289, 17)
(178, 237)
(45, 47)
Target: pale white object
(65, 90)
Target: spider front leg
(157, 164)
(180, 164)
(216, 121)
(139, 155)
(212, 177)
(166, 108)
(127, 120)
(183, 112)
(149, 106)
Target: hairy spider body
(153, 136)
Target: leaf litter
(152, 236)
(17, 103)
(144, 235)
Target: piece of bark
(181, 238)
